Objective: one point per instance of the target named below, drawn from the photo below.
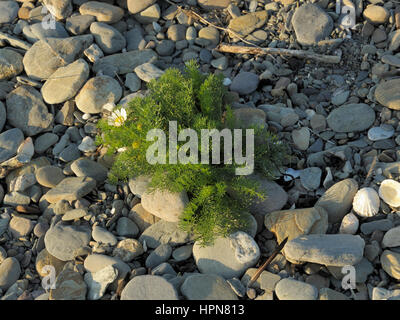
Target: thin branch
(301, 54)
(266, 263)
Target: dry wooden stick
(196, 16)
(301, 54)
(266, 263)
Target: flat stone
(38, 31)
(310, 178)
(63, 240)
(245, 83)
(16, 198)
(328, 249)
(301, 138)
(142, 218)
(102, 235)
(20, 227)
(297, 222)
(376, 14)
(109, 39)
(164, 232)
(386, 93)
(27, 111)
(166, 205)
(104, 12)
(136, 6)
(244, 25)
(266, 281)
(128, 249)
(213, 4)
(161, 254)
(338, 199)
(329, 294)
(390, 262)
(149, 15)
(49, 176)
(290, 289)
(227, 257)
(79, 24)
(71, 189)
(311, 24)
(125, 62)
(10, 61)
(45, 141)
(149, 287)
(148, 72)
(74, 214)
(207, 287)
(351, 118)
(61, 9)
(65, 83)
(382, 132)
(96, 93)
(10, 140)
(84, 167)
(182, 253)
(47, 55)
(69, 286)
(10, 271)
(127, 228)
(391, 238)
(132, 82)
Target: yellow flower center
(139, 127)
(119, 121)
(135, 145)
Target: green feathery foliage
(219, 199)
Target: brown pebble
(23, 13)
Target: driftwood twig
(266, 263)
(301, 54)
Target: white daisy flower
(122, 149)
(117, 118)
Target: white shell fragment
(366, 202)
(389, 191)
(349, 224)
(382, 132)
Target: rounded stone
(10, 271)
(20, 227)
(227, 257)
(290, 289)
(62, 241)
(376, 14)
(65, 83)
(311, 24)
(207, 287)
(49, 176)
(10, 62)
(387, 94)
(109, 39)
(390, 262)
(103, 12)
(96, 93)
(338, 199)
(45, 259)
(245, 83)
(351, 118)
(148, 287)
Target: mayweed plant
(218, 198)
